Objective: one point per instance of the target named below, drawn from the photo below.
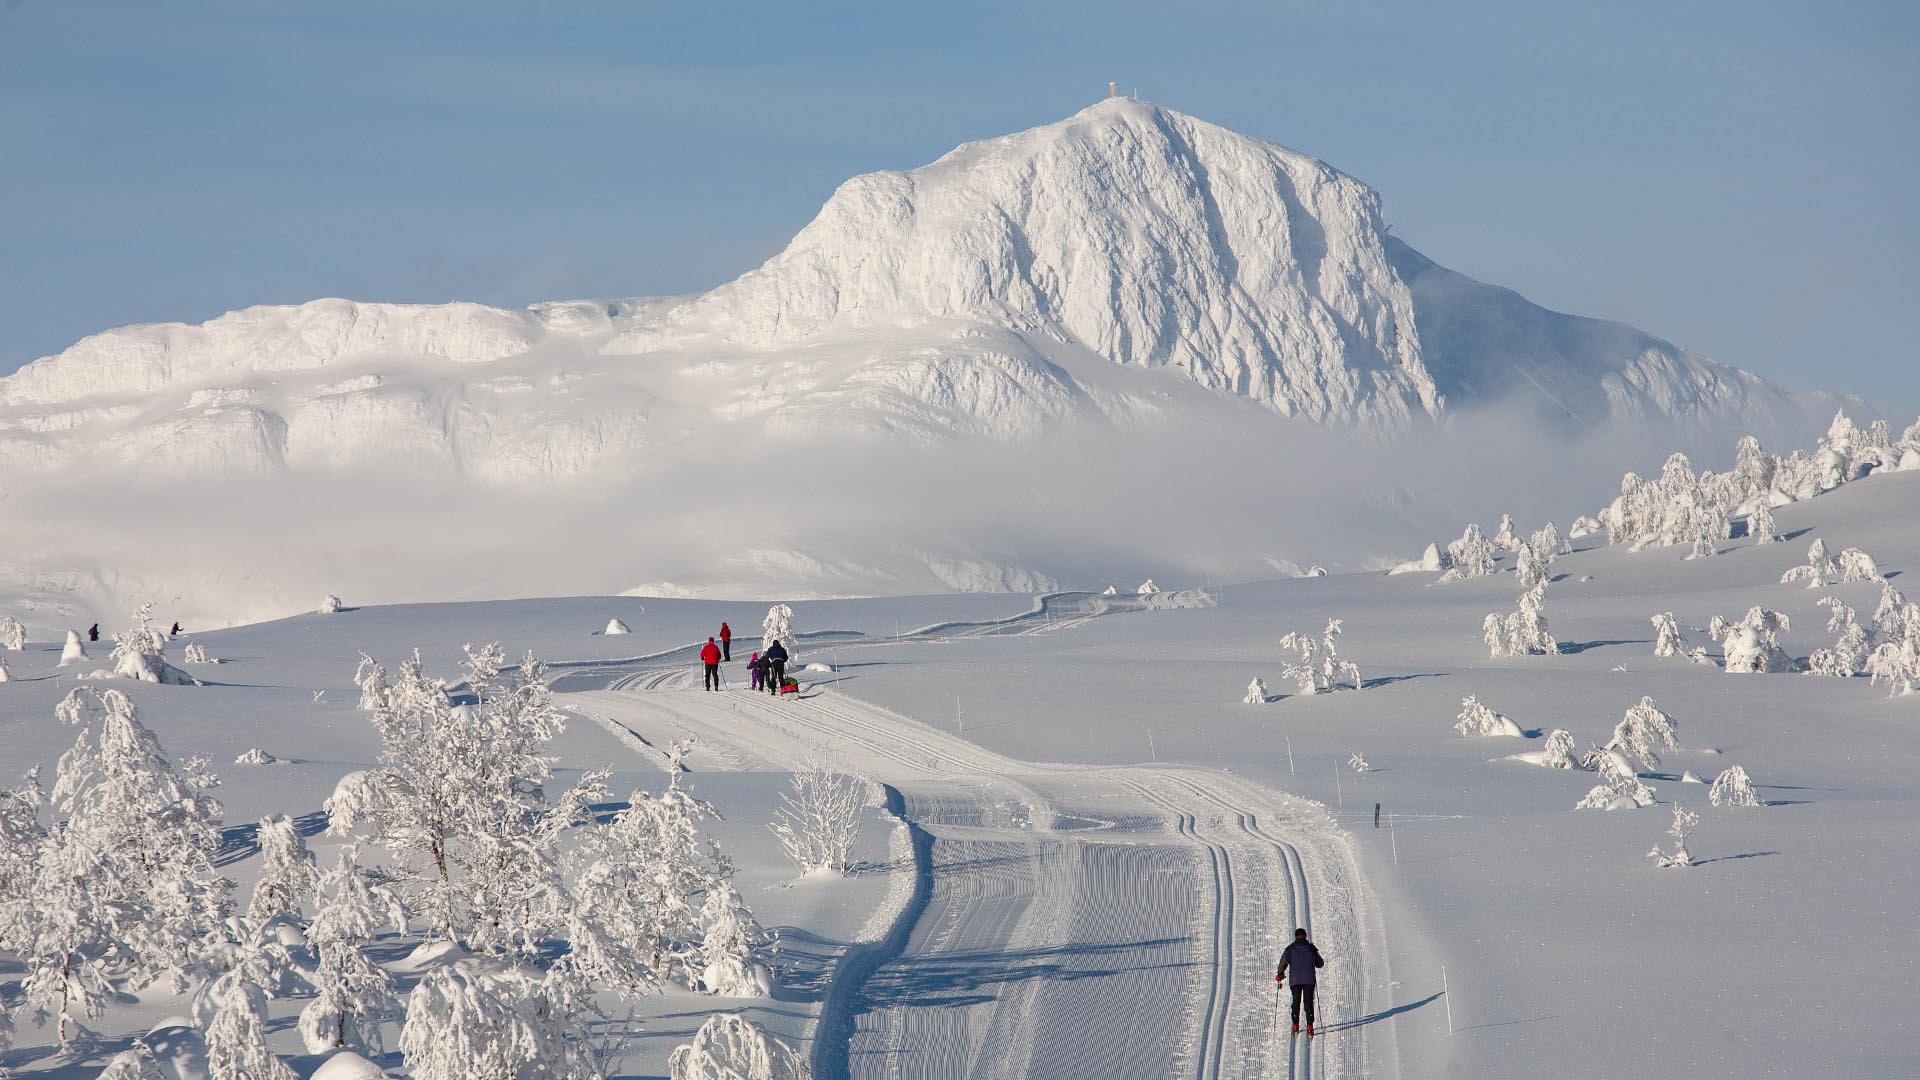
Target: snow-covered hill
(1121, 294)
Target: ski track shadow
(971, 978)
(1795, 534)
(1731, 858)
(1384, 1014)
(1510, 1023)
(1574, 648)
(1388, 680)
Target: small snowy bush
(1256, 693)
(1358, 762)
(13, 636)
(74, 651)
(1477, 719)
(615, 627)
(1733, 788)
(819, 820)
(1618, 789)
(4, 677)
(1319, 666)
(1524, 631)
(1850, 651)
(730, 947)
(1896, 660)
(1668, 641)
(1682, 827)
(1760, 525)
(729, 1047)
(1470, 556)
(256, 756)
(1752, 645)
(1643, 732)
(1558, 751)
(371, 678)
(1147, 588)
(1819, 571)
(329, 605)
(141, 653)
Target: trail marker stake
(1448, 996)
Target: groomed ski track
(1063, 920)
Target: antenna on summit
(1113, 89)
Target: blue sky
(1737, 177)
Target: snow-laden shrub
(1111, 590)
(1761, 528)
(74, 651)
(329, 605)
(632, 918)
(13, 636)
(4, 677)
(1549, 544)
(236, 1038)
(347, 1065)
(371, 678)
(1558, 751)
(1682, 827)
(1524, 631)
(730, 945)
(615, 627)
(778, 626)
(730, 1047)
(1752, 645)
(1819, 570)
(196, 653)
(1147, 588)
(137, 1063)
(253, 755)
(1429, 562)
(1504, 536)
(1733, 788)
(1470, 556)
(474, 1020)
(1317, 666)
(1618, 789)
(1848, 656)
(1856, 565)
(287, 870)
(1476, 719)
(1643, 732)
(1357, 761)
(352, 995)
(1583, 526)
(1256, 693)
(1668, 641)
(141, 653)
(1896, 660)
(818, 821)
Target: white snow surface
(1131, 294)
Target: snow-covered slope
(1130, 292)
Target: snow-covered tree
(778, 626)
(1855, 566)
(475, 1020)
(236, 1037)
(1683, 822)
(1357, 761)
(1504, 536)
(1319, 666)
(1896, 660)
(371, 678)
(1819, 570)
(1147, 588)
(1752, 645)
(141, 653)
(136, 841)
(459, 800)
(13, 636)
(195, 653)
(1848, 656)
(818, 822)
(1256, 693)
(74, 651)
(136, 1063)
(1470, 556)
(731, 1047)
(1531, 568)
(1753, 469)
(1760, 524)
(1476, 719)
(1549, 544)
(1668, 641)
(730, 945)
(1618, 789)
(1524, 631)
(1643, 732)
(287, 871)
(352, 995)
(1558, 751)
(1733, 788)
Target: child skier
(1301, 958)
(758, 669)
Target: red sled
(789, 686)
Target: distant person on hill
(710, 656)
(1301, 958)
(776, 659)
(758, 669)
(93, 632)
(175, 632)
(726, 643)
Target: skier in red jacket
(710, 656)
(726, 643)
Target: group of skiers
(769, 669)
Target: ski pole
(1276, 1008)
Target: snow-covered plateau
(1633, 798)
(999, 371)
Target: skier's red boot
(1309, 1031)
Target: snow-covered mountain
(1130, 274)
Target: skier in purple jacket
(1301, 958)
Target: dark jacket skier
(1300, 958)
(93, 632)
(776, 658)
(710, 657)
(175, 632)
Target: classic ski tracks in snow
(1086, 866)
